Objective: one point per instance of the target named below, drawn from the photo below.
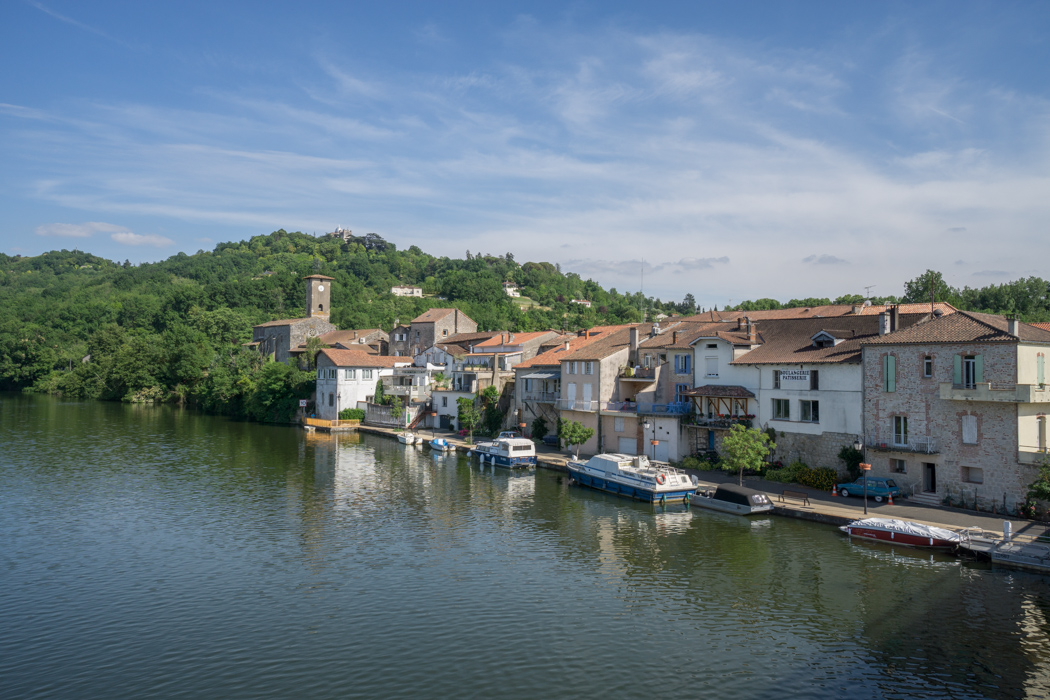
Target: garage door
(628, 446)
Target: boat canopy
(908, 527)
(741, 495)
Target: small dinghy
(406, 438)
(730, 498)
(441, 445)
(903, 532)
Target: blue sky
(740, 150)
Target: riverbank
(822, 506)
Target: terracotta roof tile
(790, 341)
(518, 338)
(358, 358)
(433, 315)
(730, 391)
(963, 327)
(554, 357)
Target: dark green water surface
(152, 552)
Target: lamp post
(522, 426)
(654, 442)
(865, 468)
(433, 419)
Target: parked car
(878, 488)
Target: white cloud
(84, 230)
(142, 239)
(824, 259)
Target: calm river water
(152, 552)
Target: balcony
(902, 443)
(638, 374)
(409, 391)
(1019, 393)
(620, 407)
(540, 396)
(576, 405)
(719, 423)
(1032, 455)
(677, 408)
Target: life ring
(661, 479)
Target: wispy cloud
(79, 25)
(824, 259)
(150, 239)
(84, 230)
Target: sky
(726, 150)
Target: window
(320, 374)
(900, 430)
(899, 466)
(809, 411)
(781, 409)
(682, 364)
(1040, 430)
(528, 385)
(712, 346)
(889, 373)
(366, 374)
(647, 362)
(776, 379)
(588, 368)
(444, 332)
(927, 366)
(444, 402)
(968, 371)
(969, 430)
(351, 374)
(618, 425)
(663, 357)
(680, 389)
(711, 366)
(814, 380)
(331, 399)
(972, 475)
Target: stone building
(956, 408)
(346, 378)
(279, 338)
(434, 326)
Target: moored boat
(441, 445)
(633, 477)
(406, 438)
(730, 498)
(507, 450)
(903, 532)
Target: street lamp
(433, 415)
(654, 442)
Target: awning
(552, 374)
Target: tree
(745, 448)
(917, 291)
(539, 428)
(852, 457)
(380, 397)
(689, 304)
(573, 433)
(314, 346)
(396, 409)
(469, 415)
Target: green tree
(397, 410)
(574, 433)
(469, 415)
(314, 346)
(539, 428)
(917, 291)
(745, 448)
(852, 459)
(380, 397)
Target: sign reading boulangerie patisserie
(794, 379)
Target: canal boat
(633, 477)
(406, 438)
(730, 498)
(507, 450)
(903, 532)
(441, 445)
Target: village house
(370, 340)
(957, 408)
(406, 291)
(278, 338)
(446, 352)
(436, 325)
(511, 290)
(348, 379)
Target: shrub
(821, 478)
(781, 475)
(352, 414)
(852, 459)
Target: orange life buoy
(661, 479)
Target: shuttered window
(889, 373)
(1040, 369)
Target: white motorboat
(508, 450)
(730, 498)
(441, 445)
(634, 477)
(904, 532)
(406, 438)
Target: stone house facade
(346, 378)
(434, 326)
(955, 408)
(279, 338)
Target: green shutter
(957, 371)
(885, 372)
(978, 363)
(891, 377)
(1040, 370)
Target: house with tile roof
(956, 408)
(347, 378)
(433, 326)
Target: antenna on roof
(867, 290)
(641, 290)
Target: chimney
(740, 322)
(634, 340)
(884, 323)
(1013, 326)
(566, 346)
(510, 337)
(655, 330)
(752, 332)
(355, 335)
(895, 318)
(674, 338)
(857, 308)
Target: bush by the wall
(352, 414)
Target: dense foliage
(80, 325)
(1028, 298)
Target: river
(156, 552)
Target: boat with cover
(406, 438)
(441, 445)
(508, 450)
(903, 532)
(730, 498)
(633, 476)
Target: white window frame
(900, 431)
(927, 366)
(366, 374)
(814, 415)
(781, 404)
(588, 367)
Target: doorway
(929, 477)
(711, 440)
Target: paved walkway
(823, 506)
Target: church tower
(318, 296)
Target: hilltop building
(278, 338)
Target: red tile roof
(729, 392)
(827, 311)
(518, 338)
(963, 327)
(358, 358)
(790, 341)
(553, 358)
(433, 315)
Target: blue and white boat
(634, 477)
(441, 445)
(507, 450)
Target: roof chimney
(634, 339)
(752, 332)
(674, 338)
(895, 318)
(740, 322)
(1013, 326)
(566, 346)
(655, 330)
(884, 323)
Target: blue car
(878, 488)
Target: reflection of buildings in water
(672, 521)
(1035, 642)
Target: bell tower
(318, 296)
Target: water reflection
(156, 551)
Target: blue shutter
(978, 371)
(957, 371)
